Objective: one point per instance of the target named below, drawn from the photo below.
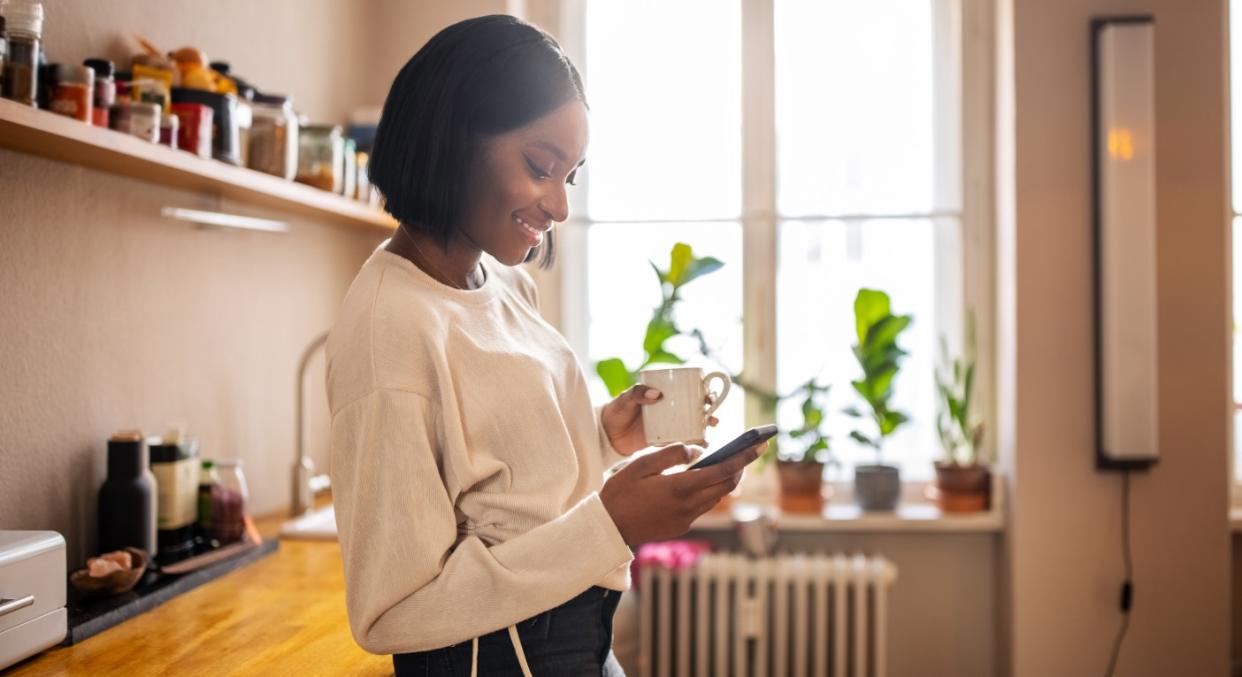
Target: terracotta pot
(802, 486)
(962, 488)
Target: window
(856, 109)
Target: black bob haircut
(474, 79)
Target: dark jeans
(572, 639)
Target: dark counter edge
(97, 624)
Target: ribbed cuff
(609, 454)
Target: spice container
(363, 192)
(229, 518)
(73, 95)
(194, 132)
(139, 119)
(127, 499)
(168, 130)
(319, 156)
(105, 90)
(349, 168)
(224, 145)
(174, 462)
(24, 27)
(4, 51)
(274, 136)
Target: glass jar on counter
(230, 519)
(274, 136)
(21, 68)
(105, 90)
(320, 162)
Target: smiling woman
(477, 532)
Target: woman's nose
(556, 204)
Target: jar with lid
(175, 464)
(73, 95)
(24, 27)
(4, 51)
(320, 164)
(349, 168)
(105, 90)
(274, 136)
(229, 516)
(208, 496)
(139, 119)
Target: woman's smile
(533, 234)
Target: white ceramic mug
(681, 416)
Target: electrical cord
(1127, 587)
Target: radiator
(790, 614)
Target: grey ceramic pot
(877, 487)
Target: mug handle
(725, 383)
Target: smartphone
(739, 444)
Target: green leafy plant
(683, 268)
(961, 433)
(879, 356)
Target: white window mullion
(978, 232)
(759, 228)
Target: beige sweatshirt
(466, 459)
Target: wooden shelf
(45, 134)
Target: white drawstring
(517, 648)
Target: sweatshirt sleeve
(610, 455)
(411, 583)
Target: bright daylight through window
(861, 195)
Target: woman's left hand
(622, 418)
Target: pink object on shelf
(677, 554)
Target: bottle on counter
(105, 89)
(208, 495)
(73, 93)
(24, 27)
(127, 499)
(175, 463)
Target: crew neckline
(484, 293)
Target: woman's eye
(572, 178)
(538, 172)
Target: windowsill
(913, 515)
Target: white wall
(1064, 555)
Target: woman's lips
(534, 236)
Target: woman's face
(518, 181)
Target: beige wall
(1065, 566)
(115, 317)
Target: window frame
(966, 93)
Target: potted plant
(963, 479)
(801, 473)
(878, 486)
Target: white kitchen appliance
(32, 593)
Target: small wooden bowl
(114, 583)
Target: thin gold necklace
(447, 279)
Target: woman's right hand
(648, 506)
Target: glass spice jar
(320, 163)
(105, 89)
(73, 95)
(21, 68)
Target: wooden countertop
(282, 615)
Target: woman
(466, 454)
